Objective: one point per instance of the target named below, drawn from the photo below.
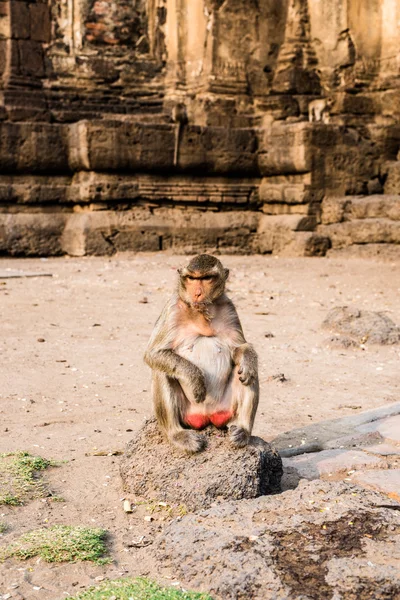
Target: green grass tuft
(136, 589)
(19, 478)
(60, 543)
(3, 527)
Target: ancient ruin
(228, 125)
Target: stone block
(4, 8)
(218, 150)
(333, 210)
(31, 58)
(88, 186)
(3, 56)
(392, 184)
(331, 462)
(278, 234)
(40, 25)
(117, 145)
(41, 148)
(372, 207)
(31, 234)
(305, 244)
(19, 20)
(386, 482)
(360, 231)
(221, 472)
(103, 232)
(285, 148)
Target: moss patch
(19, 478)
(136, 589)
(60, 543)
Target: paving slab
(383, 449)
(330, 462)
(387, 482)
(337, 432)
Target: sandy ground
(85, 388)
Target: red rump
(197, 421)
(221, 418)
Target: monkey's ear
(226, 273)
(182, 272)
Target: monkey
(318, 110)
(203, 370)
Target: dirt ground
(73, 381)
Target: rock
(388, 429)
(392, 185)
(340, 342)
(346, 432)
(331, 462)
(383, 449)
(290, 546)
(152, 468)
(387, 482)
(362, 325)
(361, 231)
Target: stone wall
(221, 125)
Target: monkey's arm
(161, 356)
(244, 356)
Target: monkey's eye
(190, 277)
(208, 277)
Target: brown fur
(200, 359)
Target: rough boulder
(152, 468)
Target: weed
(3, 527)
(136, 589)
(60, 543)
(19, 479)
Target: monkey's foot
(239, 436)
(189, 441)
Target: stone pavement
(366, 453)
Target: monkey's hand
(195, 385)
(246, 360)
(247, 372)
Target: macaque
(319, 110)
(204, 371)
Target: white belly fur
(213, 357)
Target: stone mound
(363, 326)
(152, 468)
(322, 540)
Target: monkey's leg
(245, 403)
(169, 407)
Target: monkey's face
(199, 289)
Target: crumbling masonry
(227, 125)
